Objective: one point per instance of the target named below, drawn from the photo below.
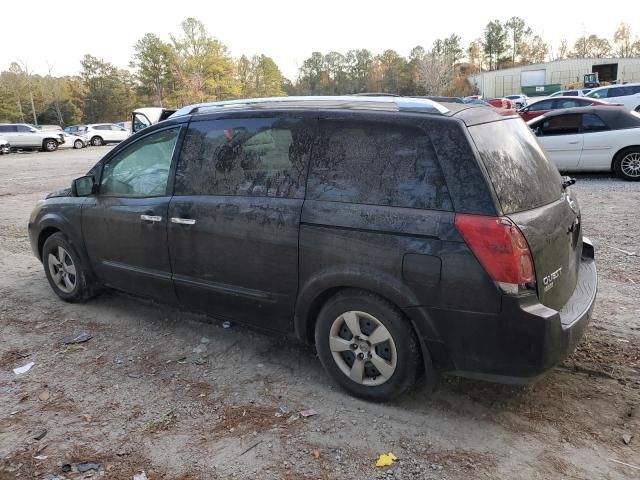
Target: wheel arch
(622, 150)
(318, 290)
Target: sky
(287, 30)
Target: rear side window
(522, 176)
(560, 125)
(593, 123)
(263, 157)
(543, 105)
(377, 164)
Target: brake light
(501, 249)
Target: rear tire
(627, 164)
(97, 141)
(367, 345)
(49, 145)
(67, 275)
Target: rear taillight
(500, 247)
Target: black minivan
(399, 235)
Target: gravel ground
(177, 396)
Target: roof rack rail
(355, 102)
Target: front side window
(567, 103)
(604, 93)
(570, 93)
(23, 129)
(260, 157)
(593, 123)
(377, 164)
(142, 169)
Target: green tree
(152, 60)
(311, 74)
(495, 43)
(518, 32)
(591, 47)
(358, 66)
(109, 91)
(204, 69)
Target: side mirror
(83, 186)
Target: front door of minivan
(125, 224)
(234, 218)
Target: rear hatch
(529, 189)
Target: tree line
(194, 67)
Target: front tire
(627, 164)
(67, 275)
(97, 141)
(367, 345)
(78, 144)
(49, 145)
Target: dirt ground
(177, 396)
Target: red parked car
(503, 106)
(535, 109)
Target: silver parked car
(21, 135)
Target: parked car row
(16, 136)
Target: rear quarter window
(522, 176)
(377, 164)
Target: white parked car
(75, 140)
(22, 135)
(103, 133)
(5, 146)
(628, 95)
(578, 92)
(591, 139)
(520, 100)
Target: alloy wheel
(630, 165)
(363, 348)
(62, 270)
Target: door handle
(183, 221)
(151, 218)
(573, 143)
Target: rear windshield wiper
(567, 181)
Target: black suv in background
(396, 234)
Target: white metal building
(499, 83)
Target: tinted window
(604, 93)
(377, 164)
(568, 103)
(522, 176)
(142, 169)
(265, 157)
(592, 123)
(7, 128)
(619, 92)
(23, 129)
(560, 125)
(541, 105)
(571, 93)
(635, 89)
(117, 128)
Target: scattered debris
(386, 459)
(44, 394)
(625, 464)
(66, 467)
(182, 360)
(204, 340)
(283, 410)
(316, 453)
(226, 324)
(41, 457)
(626, 252)
(80, 338)
(310, 412)
(40, 434)
(52, 476)
(134, 375)
(250, 448)
(140, 475)
(23, 369)
(86, 466)
(87, 417)
(164, 422)
(626, 438)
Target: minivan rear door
(235, 215)
(529, 190)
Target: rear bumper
(519, 344)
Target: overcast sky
(41, 31)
